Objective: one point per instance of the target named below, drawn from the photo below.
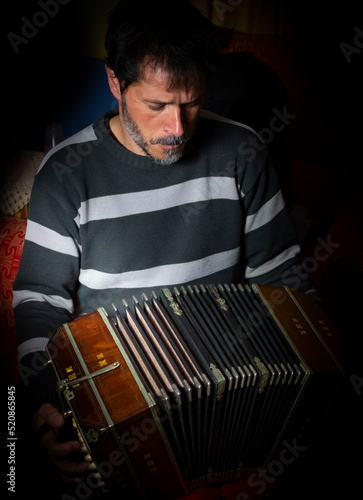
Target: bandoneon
(196, 386)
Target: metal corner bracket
(65, 384)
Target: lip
(171, 147)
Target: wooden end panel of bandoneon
(115, 414)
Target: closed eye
(192, 104)
(157, 107)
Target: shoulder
(223, 122)
(226, 128)
(234, 144)
(88, 135)
(73, 153)
(232, 139)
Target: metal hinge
(65, 384)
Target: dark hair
(171, 34)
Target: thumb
(48, 414)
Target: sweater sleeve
(271, 246)
(45, 285)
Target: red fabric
(254, 488)
(12, 234)
(281, 55)
(203, 494)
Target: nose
(174, 123)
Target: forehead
(158, 82)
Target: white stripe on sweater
(167, 275)
(23, 296)
(48, 238)
(31, 345)
(265, 214)
(209, 115)
(122, 205)
(271, 264)
(85, 135)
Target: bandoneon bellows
(196, 386)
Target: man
(154, 194)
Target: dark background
(39, 85)
(42, 77)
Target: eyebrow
(155, 101)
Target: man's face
(158, 121)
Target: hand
(61, 454)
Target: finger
(72, 470)
(63, 456)
(55, 449)
(48, 414)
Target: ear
(113, 83)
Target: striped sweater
(105, 224)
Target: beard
(170, 156)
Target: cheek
(147, 122)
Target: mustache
(171, 140)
